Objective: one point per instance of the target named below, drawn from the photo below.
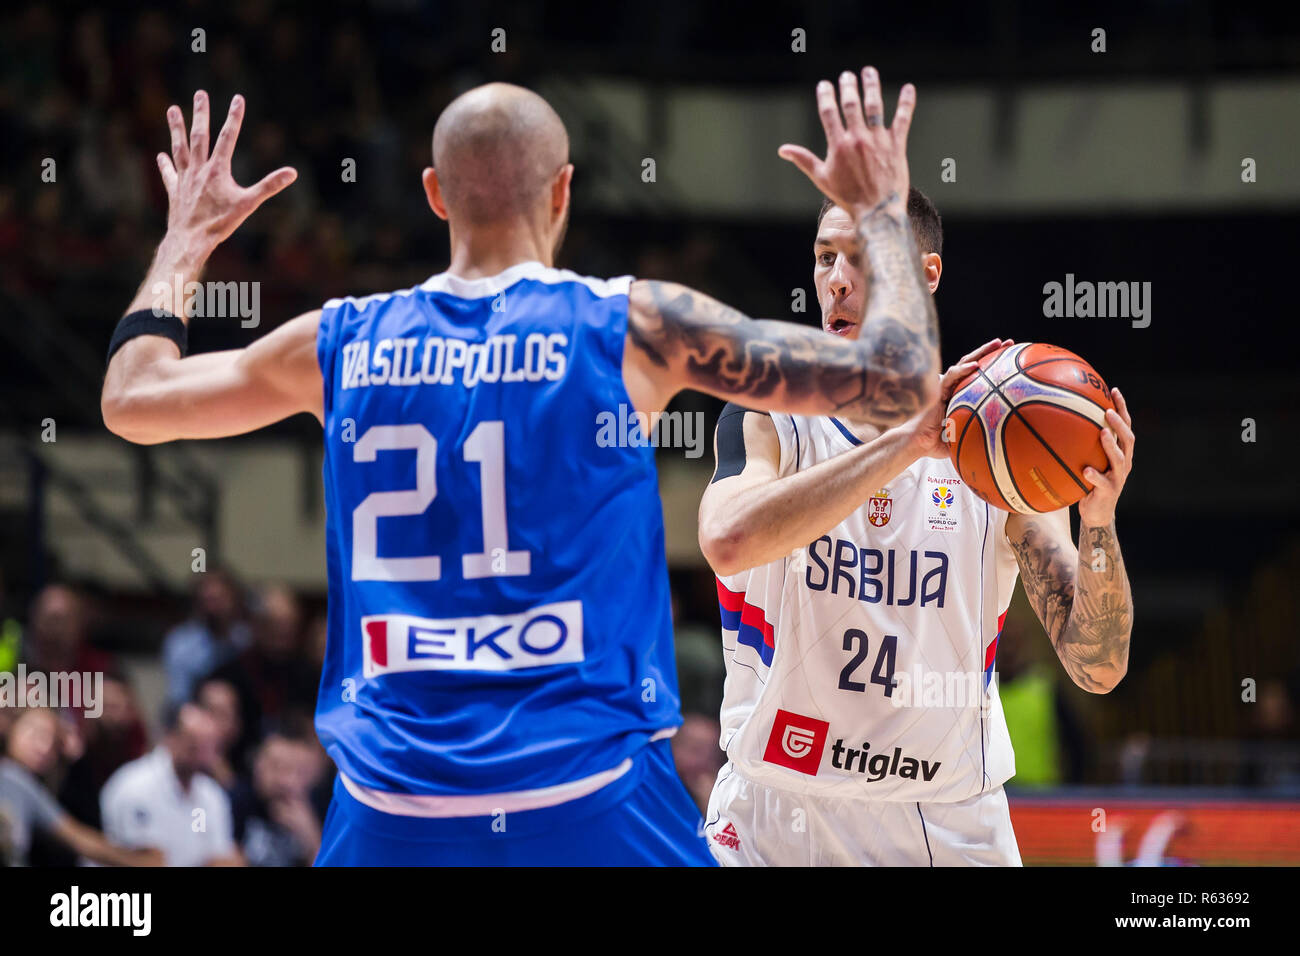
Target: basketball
(1026, 425)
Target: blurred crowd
(204, 753)
(350, 102)
(233, 773)
(82, 101)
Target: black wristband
(146, 322)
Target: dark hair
(926, 224)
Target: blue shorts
(645, 818)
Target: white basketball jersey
(861, 666)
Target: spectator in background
(167, 799)
(698, 755)
(117, 737)
(276, 686)
(90, 65)
(314, 654)
(110, 174)
(700, 669)
(26, 806)
(11, 634)
(1273, 730)
(275, 822)
(55, 641)
(220, 699)
(317, 639)
(213, 636)
(323, 792)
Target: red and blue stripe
(991, 654)
(747, 621)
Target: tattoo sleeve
(901, 327)
(1084, 600)
(885, 377)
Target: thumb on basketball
(992, 345)
(954, 375)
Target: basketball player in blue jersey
(499, 683)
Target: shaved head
(497, 149)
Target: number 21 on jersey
(486, 446)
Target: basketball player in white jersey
(862, 589)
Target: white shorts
(753, 825)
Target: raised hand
(204, 203)
(866, 162)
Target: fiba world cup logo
(797, 741)
(942, 497)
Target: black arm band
(730, 436)
(145, 322)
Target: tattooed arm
(678, 338)
(900, 326)
(1082, 595)
(751, 515)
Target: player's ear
(932, 267)
(560, 191)
(433, 192)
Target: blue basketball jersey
(499, 614)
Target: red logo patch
(728, 837)
(797, 742)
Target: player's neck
(489, 251)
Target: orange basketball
(1026, 424)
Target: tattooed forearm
(1047, 572)
(898, 287)
(886, 377)
(721, 350)
(1083, 600)
(1101, 620)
